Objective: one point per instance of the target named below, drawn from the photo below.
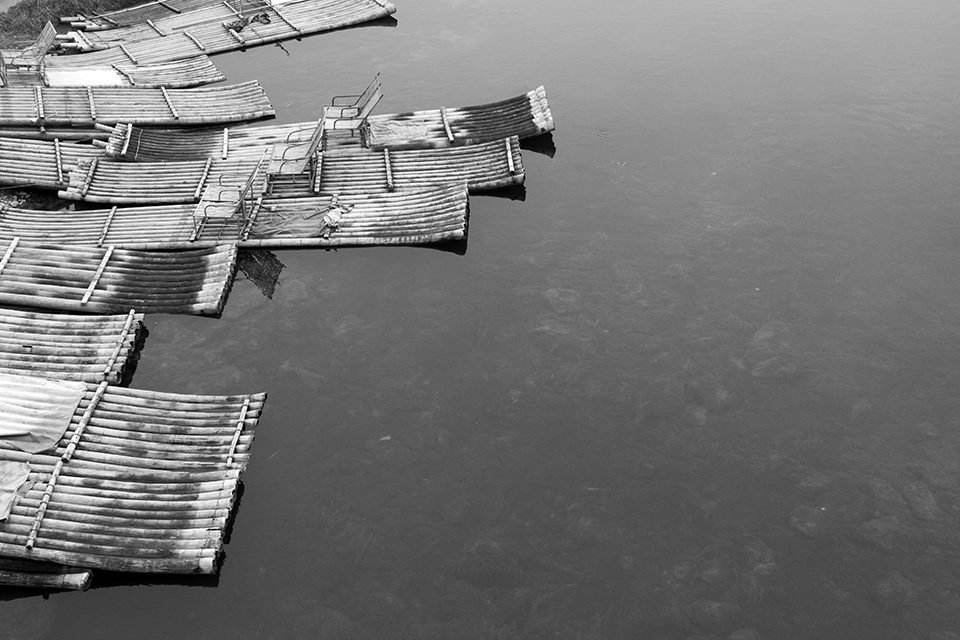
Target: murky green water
(701, 383)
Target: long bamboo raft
(109, 280)
(527, 115)
(188, 72)
(70, 347)
(219, 28)
(136, 14)
(87, 106)
(409, 218)
(140, 481)
(487, 166)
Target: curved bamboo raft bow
(525, 116)
(70, 347)
(109, 280)
(140, 481)
(221, 27)
(408, 218)
(87, 106)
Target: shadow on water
(542, 144)
(513, 192)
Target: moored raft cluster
(98, 476)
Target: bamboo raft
(109, 280)
(220, 28)
(112, 182)
(134, 15)
(487, 166)
(188, 72)
(527, 115)
(409, 218)
(140, 481)
(76, 106)
(40, 163)
(70, 347)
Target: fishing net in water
(262, 267)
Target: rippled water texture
(702, 382)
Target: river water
(700, 383)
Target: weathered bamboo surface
(76, 106)
(188, 72)
(32, 574)
(138, 14)
(523, 116)
(109, 280)
(141, 482)
(41, 163)
(70, 347)
(486, 166)
(113, 182)
(409, 218)
(217, 28)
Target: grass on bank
(21, 23)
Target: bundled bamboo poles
(140, 481)
(70, 347)
(524, 116)
(409, 217)
(43, 575)
(109, 280)
(491, 165)
(136, 14)
(113, 182)
(189, 72)
(216, 29)
(41, 163)
(75, 106)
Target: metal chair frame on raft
(31, 58)
(281, 165)
(223, 202)
(352, 114)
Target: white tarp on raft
(84, 77)
(13, 475)
(35, 412)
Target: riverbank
(21, 21)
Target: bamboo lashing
(510, 164)
(121, 340)
(59, 155)
(318, 170)
(166, 97)
(238, 430)
(84, 420)
(194, 40)
(97, 275)
(226, 143)
(88, 179)
(388, 168)
(167, 6)
(127, 53)
(93, 106)
(44, 502)
(8, 253)
(203, 179)
(38, 92)
(446, 123)
(237, 36)
(126, 141)
(106, 225)
(153, 26)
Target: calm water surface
(701, 383)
